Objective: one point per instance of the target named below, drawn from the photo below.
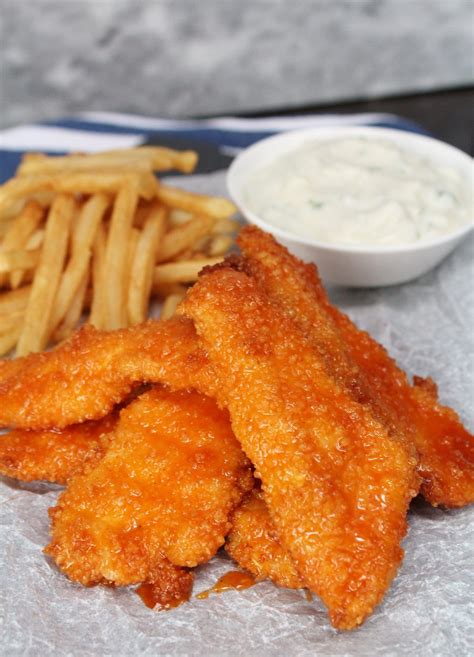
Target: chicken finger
(254, 543)
(445, 448)
(164, 490)
(54, 455)
(87, 375)
(337, 486)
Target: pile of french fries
(97, 238)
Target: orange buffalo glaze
(445, 447)
(296, 287)
(54, 455)
(235, 579)
(87, 375)
(165, 597)
(254, 543)
(164, 490)
(411, 413)
(337, 485)
(147, 593)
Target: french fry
(163, 158)
(147, 158)
(19, 230)
(12, 210)
(141, 277)
(163, 290)
(14, 301)
(23, 259)
(116, 253)
(184, 161)
(26, 157)
(27, 275)
(74, 311)
(184, 271)
(213, 206)
(171, 303)
(35, 240)
(4, 226)
(9, 339)
(35, 332)
(177, 217)
(8, 213)
(88, 221)
(77, 183)
(199, 249)
(182, 237)
(84, 164)
(124, 238)
(97, 310)
(192, 255)
(45, 199)
(226, 226)
(22, 226)
(220, 244)
(131, 250)
(11, 321)
(20, 276)
(141, 213)
(221, 228)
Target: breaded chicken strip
(86, 376)
(163, 492)
(445, 448)
(337, 486)
(295, 285)
(54, 455)
(253, 542)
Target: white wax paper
(428, 327)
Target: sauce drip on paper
(231, 580)
(153, 597)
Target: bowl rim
(325, 132)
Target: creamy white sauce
(359, 191)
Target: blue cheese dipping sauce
(362, 191)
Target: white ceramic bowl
(354, 265)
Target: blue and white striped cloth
(96, 131)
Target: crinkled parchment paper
(428, 327)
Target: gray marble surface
(190, 57)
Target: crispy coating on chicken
(295, 286)
(85, 377)
(54, 455)
(253, 542)
(338, 436)
(165, 488)
(167, 586)
(446, 451)
(445, 448)
(337, 486)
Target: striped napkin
(217, 140)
